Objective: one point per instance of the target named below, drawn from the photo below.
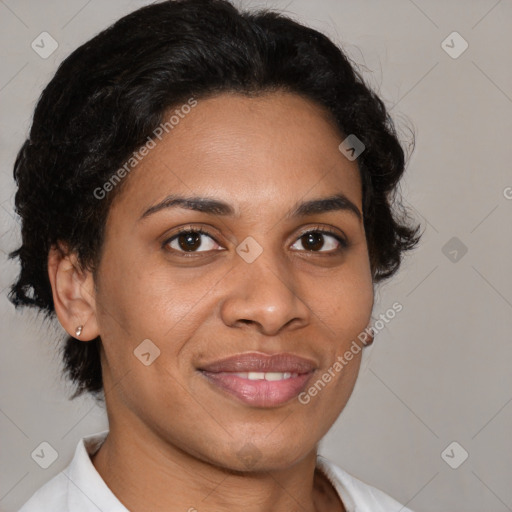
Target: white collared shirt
(80, 488)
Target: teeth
(266, 375)
(255, 375)
(277, 376)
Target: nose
(264, 295)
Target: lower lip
(259, 393)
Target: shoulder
(78, 487)
(358, 496)
(52, 496)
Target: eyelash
(322, 230)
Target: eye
(190, 240)
(193, 240)
(315, 239)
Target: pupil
(313, 241)
(189, 241)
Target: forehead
(274, 149)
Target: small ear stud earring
(78, 330)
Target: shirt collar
(85, 485)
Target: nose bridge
(262, 291)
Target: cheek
(151, 302)
(345, 300)
(143, 299)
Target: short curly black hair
(111, 93)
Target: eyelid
(340, 236)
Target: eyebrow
(337, 202)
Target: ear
(369, 336)
(73, 293)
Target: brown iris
(189, 241)
(313, 241)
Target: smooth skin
(175, 439)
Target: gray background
(440, 370)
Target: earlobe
(73, 294)
(368, 336)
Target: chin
(260, 457)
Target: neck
(154, 475)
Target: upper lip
(259, 362)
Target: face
(256, 275)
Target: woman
(206, 197)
